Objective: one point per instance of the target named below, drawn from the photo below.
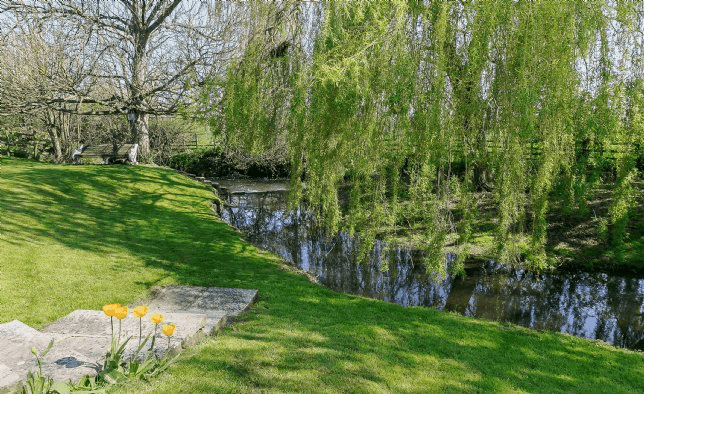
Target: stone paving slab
(188, 298)
(96, 323)
(8, 377)
(171, 298)
(83, 337)
(221, 305)
(16, 338)
(74, 356)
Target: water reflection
(590, 305)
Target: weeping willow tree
(252, 114)
(396, 114)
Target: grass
(75, 237)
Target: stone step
(96, 323)
(73, 356)
(92, 334)
(8, 377)
(81, 340)
(221, 305)
(82, 337)
(16, 339)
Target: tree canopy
(398, 113)
(139, 56)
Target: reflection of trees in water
(582, 304)
(628, 298)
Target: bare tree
(44, 72)
(147, 55)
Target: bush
(207, 162)
(218, 162)
(166, 137)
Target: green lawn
(79, 237)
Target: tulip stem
(152, 343)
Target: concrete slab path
(83, 337)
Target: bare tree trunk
(57, 145)
(139, 65)
(35, 144)
(55, 136)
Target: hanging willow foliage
(396, 113)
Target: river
(589, 305)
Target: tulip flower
(168, 330)
(140, 311)
(157, 319)
(120, 313)
(109, 310)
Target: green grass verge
(78, 237)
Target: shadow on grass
(151, 214)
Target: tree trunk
(55, 136)
(35, 145)
(139, 67)
(57, 145)
(143, 135)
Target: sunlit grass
(79, 237)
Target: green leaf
(147, 366)
(115, 376)
(50, 345)
(144, 342)
(84, 383)
(121, 349)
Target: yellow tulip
(157, 319)
(109, 309)
(168, 329)
(140, 311)
(121, 312)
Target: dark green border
(683, 79)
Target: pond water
(589, 305)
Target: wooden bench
(108, 153)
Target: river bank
(586, 304)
